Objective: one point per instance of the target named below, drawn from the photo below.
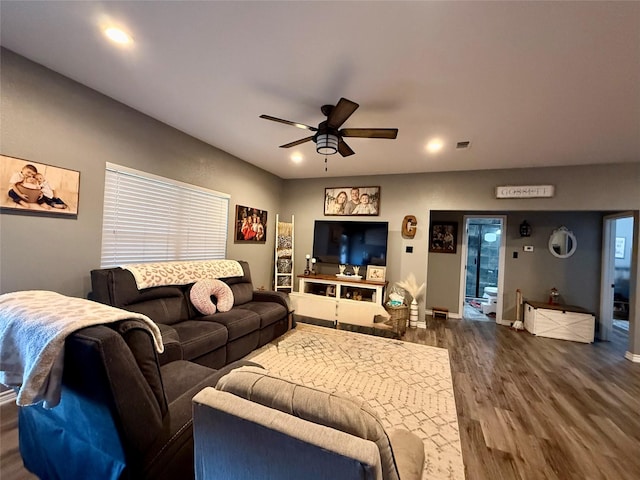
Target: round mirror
(562, 243)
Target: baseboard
(429, 313)
(314, 321)
(634, 357)
(7, 396)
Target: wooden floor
(528, 407)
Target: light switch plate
(528, 248)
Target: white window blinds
(153, 219)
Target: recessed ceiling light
(434, 145)
(118, 36)
(296, 158)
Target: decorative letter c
(409, 224)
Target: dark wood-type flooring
(528, 407)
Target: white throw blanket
(182, 272)
(33, 328)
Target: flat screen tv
(350, 243)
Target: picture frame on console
(376, 273)
(251, 225)
(38, 189)
(443, 237)
(357, 201)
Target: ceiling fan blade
(341, 112)
(288, 122)
(297, 142)
(390, 133)
(344, 149)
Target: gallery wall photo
(251, 225)
(352, 201)
(37, 188)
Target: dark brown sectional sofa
(126, 412)
(257, 317)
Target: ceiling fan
(328, 138)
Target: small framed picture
(444, 237)
(376, 273)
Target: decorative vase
(413, 314)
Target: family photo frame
(250, 225)
(443, 237)
(341, 201)
(376, 273)
(34, 188)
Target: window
(153, 219)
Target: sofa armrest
(408, 451)
(272, 296)
(172, 346)
(236, 439)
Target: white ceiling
(528, 83)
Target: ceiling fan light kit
(328, 139)
(327, 144)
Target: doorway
(482, 270)
(616, 274)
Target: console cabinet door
(314, 306)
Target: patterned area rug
(408, 385)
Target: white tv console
(339, 300)
(566, 322)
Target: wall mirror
(562, 243)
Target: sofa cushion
(202, 291)
(242, 293)
(333, 410)
(121, 289)
(238, 322)
(168, 310)
(198, 338)
(269, 312)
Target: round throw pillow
(203, 290)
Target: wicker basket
(398, 319)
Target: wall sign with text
(524, 191)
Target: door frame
(501, 263)
(607, 278)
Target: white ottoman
(490, 301)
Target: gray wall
(577, 278)
(51, 119)
(590, 190)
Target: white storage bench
(566, 322)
